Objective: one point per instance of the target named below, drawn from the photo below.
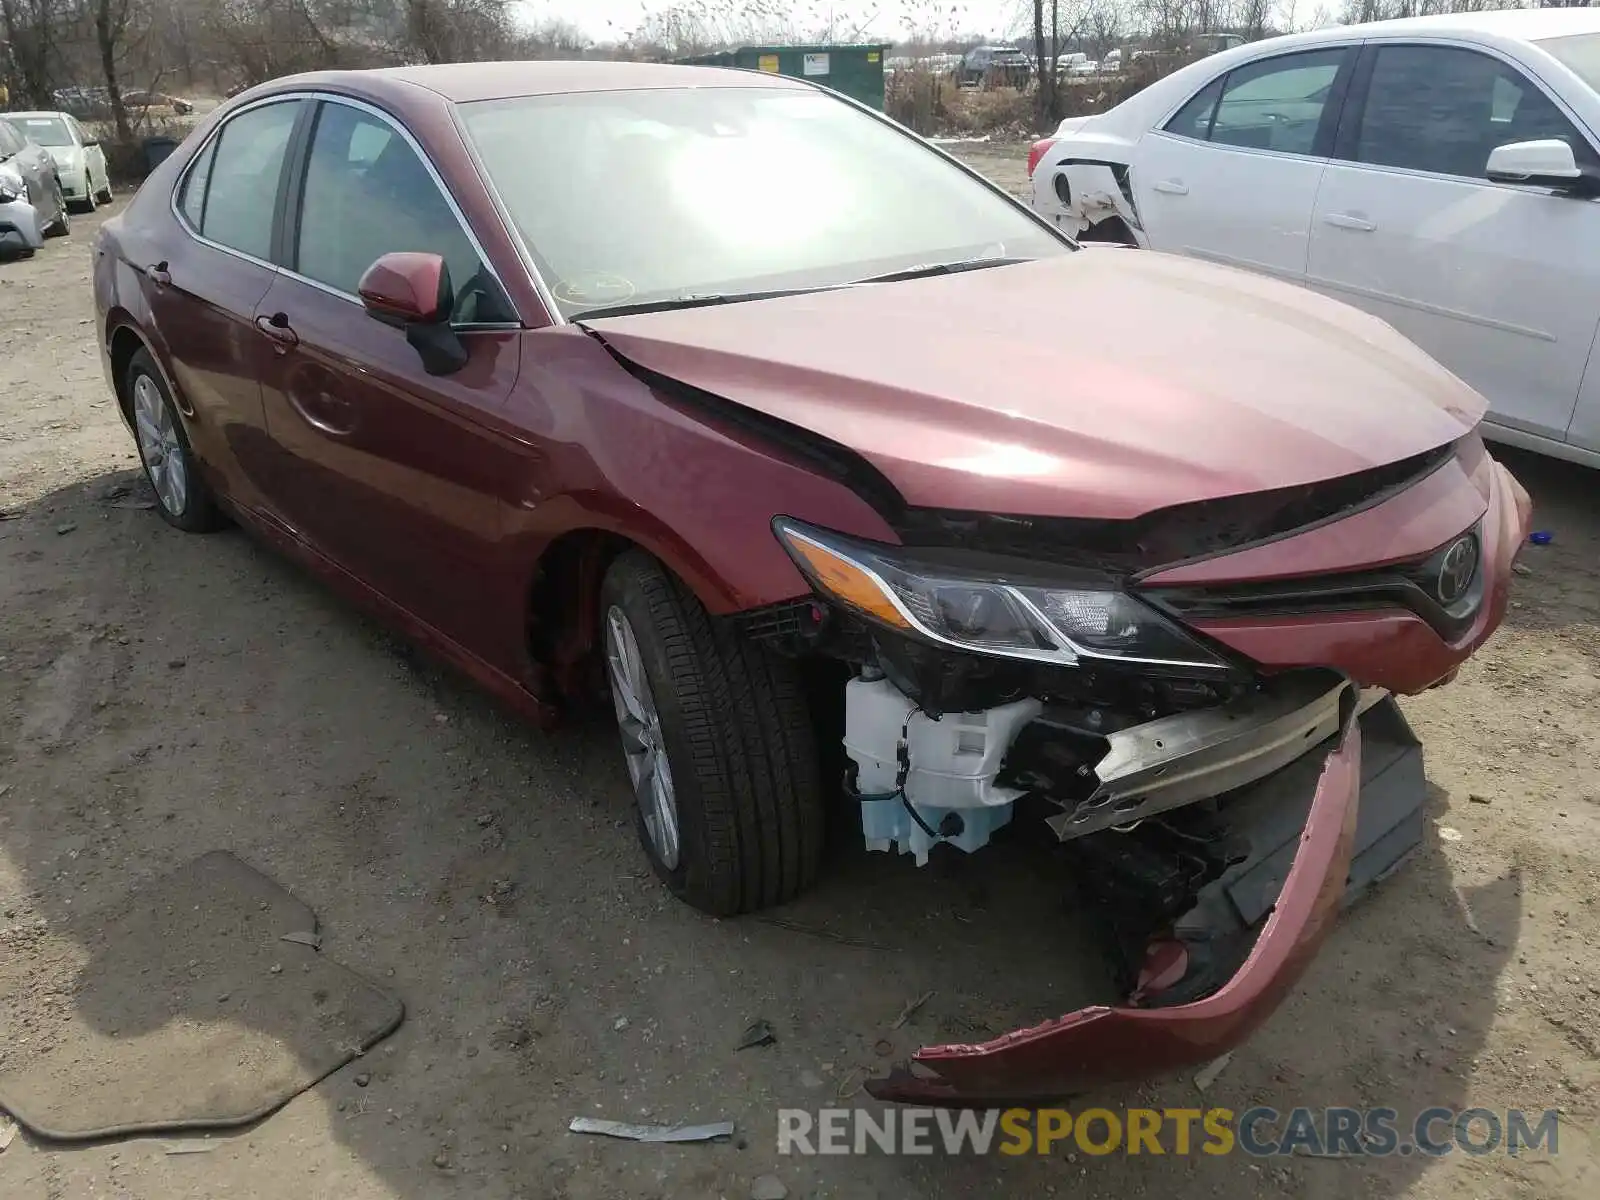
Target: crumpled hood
(1090, 385)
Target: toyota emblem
(1457, 569)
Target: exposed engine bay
(1181, 800)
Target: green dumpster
(854, 70)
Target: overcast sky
(885, 19)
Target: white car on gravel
(1442, 173)
(79, 159)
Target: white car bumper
(19, 227)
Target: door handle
(277, 328)
(1172, 187)
(1349, 221)
(158, 274)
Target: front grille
(1415, 585)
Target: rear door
(1233, 174)
(203, 296)
(1500, 283)
(394, 474)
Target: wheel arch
(561, 595)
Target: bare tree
(31, 29)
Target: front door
(1500, 283)
(1233, 175)
(396, 475)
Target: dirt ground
(162, 695)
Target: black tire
(199, 512)
(740, 745)
(62, 225)
(81, 207)
(105, 194)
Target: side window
(10, 142)
(192, 199)
(243, 177)
(1277, 104)
(1194, 118)
(368, 194)
(1442, 109)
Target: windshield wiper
(690, 300)
(922, 270)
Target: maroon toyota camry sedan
(715, 397)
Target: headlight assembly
(11, 189)
(1013, 618)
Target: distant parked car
(85, 103)
(80, 162)
(139, 98)
(32, 206)
(995, 66)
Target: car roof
(1514, 24)
(40, 113)
(463, 83)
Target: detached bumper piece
(1297, 844)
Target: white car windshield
(642, 196)
(47, 131)
(1579, 53)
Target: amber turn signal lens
(845, 580)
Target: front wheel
(62, 225)
(719, 746)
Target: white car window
(1442, 109)
(1277, 104)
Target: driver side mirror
(411, 291)
(1547, 163)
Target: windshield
(1580, 53)
(636, 196)
(47, 131)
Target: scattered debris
(850, 1084)
(224, 997)
(619, 1024)
(8, 1132)
(276, 969)
(442, 1159)
(652, 1133)
(1449, 834)
(4, 788)
(115, 492)
(314, 940)
(758, 1033)
(1207, 1075)
(500, 891)
(883, 1047)
(135, 505)
(485, 820)
(66, 528)
(910, 1010)
(363, 1079)
(810, 1079)
(177, 664)
(1479, 798)
(1466, 911)
(827, 935)
(189, 1147)
(767, 1187)
(11, 514)
(1541, 537)
(1521, 569)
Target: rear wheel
(104, 195)
(182, 497)
(719, 746)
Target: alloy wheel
(642, 742)
(159, 445)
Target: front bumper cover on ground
(1309, 826)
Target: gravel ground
(162, 695)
